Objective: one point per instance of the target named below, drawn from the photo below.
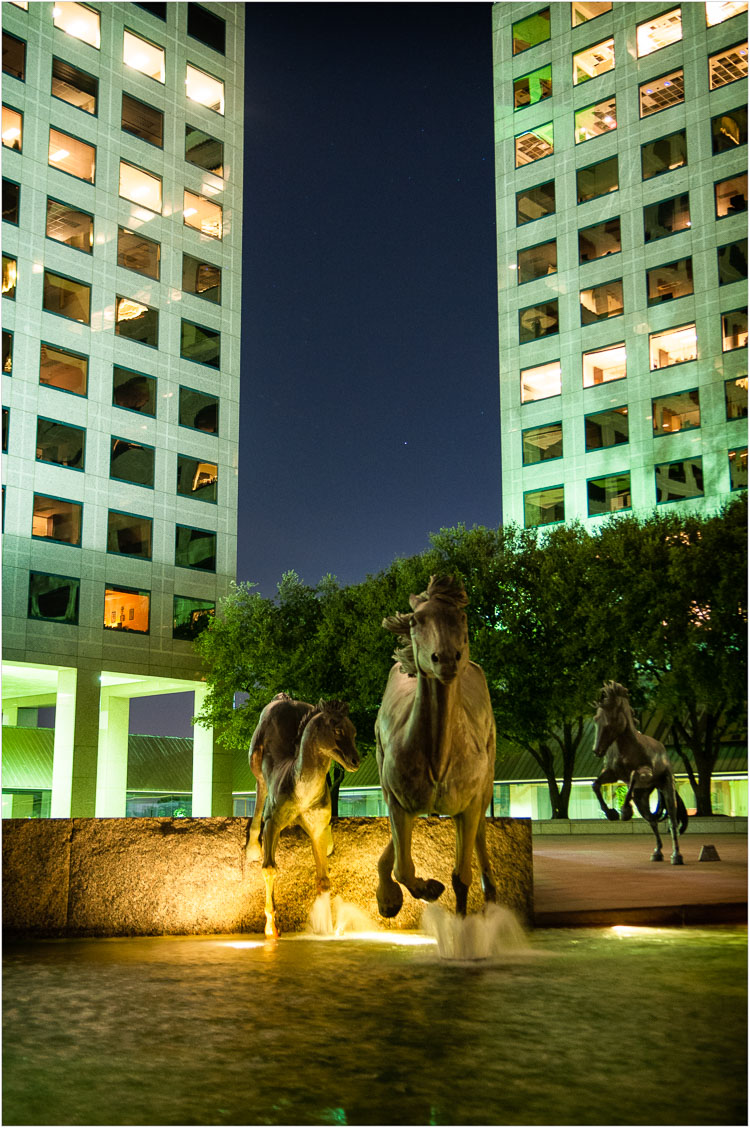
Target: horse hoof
(626, 813)
(431, 890)
(271, 932)
(252, 851)
(612, 815)
(657, 856)
(677, 860)
(390, 906)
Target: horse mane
(615, 698)
(335, 710)
(444, 589)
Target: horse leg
(669, 795)
(488, 878)
(390, 897)
(641, 801)
(318, 829)
(626, 811)
(402, 824)
(607, 776)
(270, 838)
(252, 849)
(466, 837)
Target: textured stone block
(36, 867)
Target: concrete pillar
(65, 727)
(212, 769)
(10, 715)
(112, 761)
(221, 792)
(76, 744)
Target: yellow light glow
(11, 134)
(60, 155)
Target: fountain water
(494, 933)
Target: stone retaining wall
(142, 877)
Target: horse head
(333, 733)
(436, 630)
(613, 714)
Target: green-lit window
(60, 444)
(14, 56)
(738, 469)
(593, 61)
(596, 120)
(731, 195)
(74, 86)
(62, 369)
(537, 262)
(599, 240)
(53, 598)
(129, 534)
(144, 121)
(133, 391)
(70, 226)
(727, 65)
(729, 130)
(732, 259)
(11, 201)
(201, 278)
(531, 30)
(542, 444)
(543, 507)
(609, 494)
(680, 411)
(12, 129)
(195, 548)
(199, 411)
(126, 609)
(203, 150)
(200, 344)
(735, 397)
(191, 616)
(664, 154)
(56, 519)
(537, 321)
(197, 478)
(533, 87)
(597, 179)
(598, 303)
(67, 297)
(676, 481)
(10, 277)
(665, 218)
(534, 203)
(136, 252)
(131, 462)
(136, 322)
(534, 144)
(606, 428)
(582, 11)
(661, 93)
(669, 280)
(734, 329)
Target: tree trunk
(701, 733)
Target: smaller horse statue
(290, 754)
(642, 763)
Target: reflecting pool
(599, 1026)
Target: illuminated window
(70, 155)
(667, 217)
(537, 262)
(129, 535)
(531, 31)
(680, 411)
(7, 352)
(131, 462)
(11, 201)
(661, 93)
(198, 411)
(60, 444)
(658, 32)
(62, 369)
(139, 186)
(195, 548)
(535, 203)
(12, 128)
(716, 13)
(201, 278)
(593, 121)
(534, 322)
(67, 297)
(542, 444)
(133, 391)
(664, 154)
(541, 382)
(23, 4)
(196, 478)
(534, 144)
(600, 366)
(669, 280)
(734, 330)
(14, 56)
(729, 130)
(53, 598)
(598, 303)
(533, 87)
(599, 240)
(597, 179)
(202, 214)
(69, 225)
(606, 428)
(126, 609)
(191, 616)
(735, 396)
(10, 277)
(732, 259)
(56, 519)
(206, 27)
(136, 252)
(738, 469)
(74, 86)
(204, 151)
(676, 481)
(78, 20)
(543, 507)
(673, 346)
(581, 12)
(204, 89)
(136, 322)
(593, 61)
(609, 494)
(142, 121)
(143, 56)
(200, 344)
(727, 65)
(731, 195)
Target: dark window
(137, 322)
(206, 27)
(142, 121)
(609, 494)
(155, 9)
(196, 478)
(129, 535)
(60, 444)
(538, 321)
(133, 390)
(532, 88)
(664, 154)
(680, 411)
(199, 411)
(10, 277)
(6, 424)
(200, 344)
(71, 155)
(14, 56)
(731, 195)
(11, 201)
(727, 65)
(201, 278)
(67, 297)
(531, 30)
(69, 225)
(735, 394)
(537, 262)
(729, 130)
(53, 598)
(597, 179)
(543, 507)
(191, 616)
(131, 462)
(599, 240)
(59, 368)
(534, 203)
(732, 262)
(126, 609)
(666, 217)
(738, 469)
(601, 302)
(541, 444)
(136, 252)
(661, 93)
(74, 86)
(12, 129)
(669, 280)
(195, 548)
(676, 481)
(7, 351)
(57, 520)
(734, 330)
(607, 428)
(203, 150)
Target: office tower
(621, 157)
(122, 134)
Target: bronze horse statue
(290, 754)
(435, 745)
(642, 763)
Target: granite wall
(141, 877)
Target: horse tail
(660, 814)
(682, 815)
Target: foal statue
(290, 754)
(642, 763)
(435, 745)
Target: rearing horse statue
(435, 745)
(642, 763)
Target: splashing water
(320, 919)
(493, 933)
(328, 918)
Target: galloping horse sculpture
(642, 763)
(290, 754)
(435, 745)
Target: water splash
(495, 932)
(335, 918)
(320, 919)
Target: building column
(212, 769)
(10, 715)
(112, 760)
(76, 744)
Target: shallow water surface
(599, 1026)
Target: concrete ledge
(654, 916)
(716, 824)
(143, 877)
